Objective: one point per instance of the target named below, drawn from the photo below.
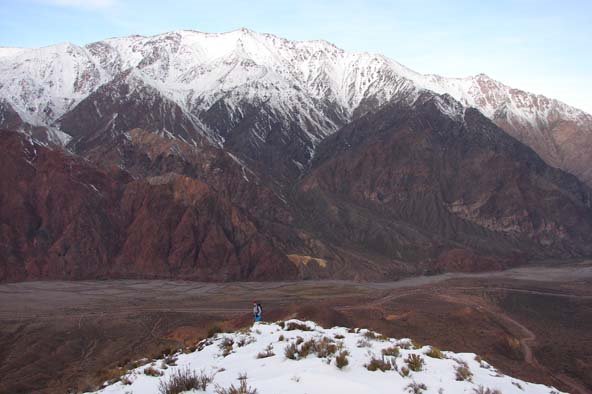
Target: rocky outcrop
(63, 218)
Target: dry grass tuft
(391, 351)
(434, 352)
(381, 364)
(185, 380)
(341, 360)
(267, 353)
(414, 362)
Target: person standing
(257, 311)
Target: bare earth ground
(534, 322)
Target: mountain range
(243, 155)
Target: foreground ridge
(302, 357)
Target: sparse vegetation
(484, 390)
(376, 364)
(462, 371)
(434, 352)
(291, 351)
(362, 342)
(416, 388)
(226, 346)
(267, 353)
(292, 325)
(242, 388)
(245, 340)
(170, 360)
(414, 362)
(341, 359)
(391, 351)
(185, 380)
(151, 371)
(404, 372)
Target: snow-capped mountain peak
(312, 86)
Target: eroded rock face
(410, 183)
(64, 218)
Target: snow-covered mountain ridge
(311, 85)
(302, 357)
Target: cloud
(85, 4)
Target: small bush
(299, 340)
(414, 362)
(404, 372)
(463, 372)
(245, 340)
(243, 388)
(290, 326)
(391, 351)
(435, 352)
(226, 346)
(484, 390)
(281, 338)
(325, 347)
(291, 351)
(376, 364)
(416, 388)
(267, 353)
(341, 360)
(126, 380)
(281, 323)
(151, 371)
(185, 380)
(170, 360)
(338, 336)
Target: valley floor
(534, 323)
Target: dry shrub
(484, 390)
(267, 353)
(414, 362)
(341, 360)
(281, 338)
(226, 346)
(291, 351)
(362, 342)
(404, 372)
(126, 379)
(391, 351)
(376, 364)
(185, 380)
(170, 360)
(462, 371)
(290, 326)
(245, 340)
(416, 388)
(151, 371)
(242, 388)
(434, 352)
(338, 336)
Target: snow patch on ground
(228, 355)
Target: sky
(542, 46)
